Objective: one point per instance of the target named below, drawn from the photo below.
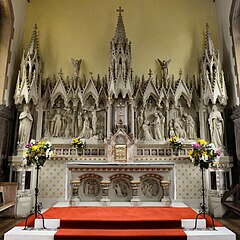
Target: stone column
(39, 109)
(132, 118)
(166, 127)
(135, 192)
(202, 121)
(105, 200)
(109, 118)
(166, 199)
(74, 200)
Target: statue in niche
(157, 126)
(171, 129)
(164, 66)
(91, 188)
(86, 130)
(140, 120)
(94, 121)
(76, 63)
(146, 133)
(121, 188)
(190, 126)
(57, 124)
(25, 126)
(69, 123)
(150, 107)
(100, 128)
(80, 121)
(180, 132)
(216, 124)
(150, 188)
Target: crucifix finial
(120, 10)
(150, 73)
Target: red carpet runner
(98, 223)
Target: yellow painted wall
(157, 28)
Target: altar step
(118, 223)
(119, 234)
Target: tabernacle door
(120, 153)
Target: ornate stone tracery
(147, 109)
(121, 117)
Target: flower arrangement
(37, 152)
(176, 142)
(203, 153)
(79, 144)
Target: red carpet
(133, 234)
(98, 223)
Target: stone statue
(190, 126)
(162, 119)
(69, 123)
(94, 121)
(157, 127)
(86, 130)
(57, 124)
(164, 66)
(80, 121)
(146, 134)
(180, 132)
(140, 120)
(76, 63)
(216, 123)
(25, 126)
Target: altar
(126, 122)
(120, 179)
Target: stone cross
(120, 10)
(120, 105)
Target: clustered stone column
(105, 200)
(135, 192)
(166, 199)
(74, 200)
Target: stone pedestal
(135, 193)
(74, 200)
(166, 199)
(105, 200)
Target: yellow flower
(191, 152)
(175, 138)
(204, 153)
(202, 142)
(35, 148)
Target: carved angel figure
(76, 63)
(164, 66)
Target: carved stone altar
(121, 178)
(125, 120)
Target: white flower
(181, 140)
(33, 141)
